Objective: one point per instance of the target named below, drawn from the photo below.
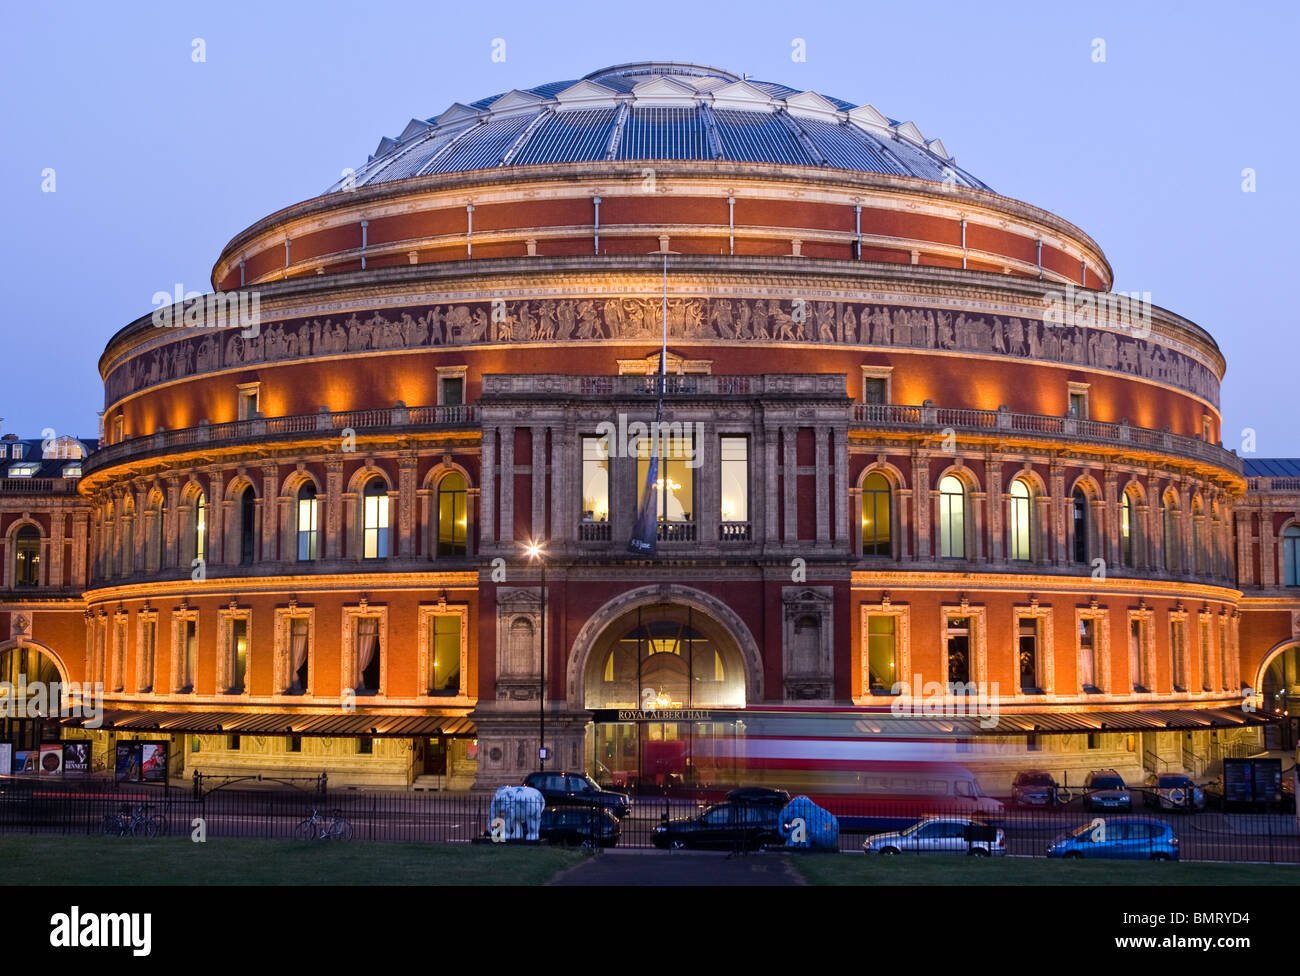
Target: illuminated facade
(905, 448)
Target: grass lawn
(859, 869)
(37, 860)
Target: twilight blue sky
(159, 160)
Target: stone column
(333, 508)
(1245, 562)
(54, 574)
(406, 504)
(790, 465)
(540, 461)
(1267, 550)
(80, 548)
(270, 513)
(771, 503)
(922, 504)
(1056, 488)
(1109, 526)
(487, 482)
(216, 509)
(172, 521)
(507, 535)
(997, 505)
(822, 482)
(842, 532)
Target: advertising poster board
(51, 759)
(76, 758)
(127, 767)
(153, 762)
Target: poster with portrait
(26, 762)
(76, 758)
(127, 767)
(51, 759)
(153, 762)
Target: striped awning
(349, 724)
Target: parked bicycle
(317, 827)
(137, 822)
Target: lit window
(299, 656)
(952, 518)
(308, 530)
(1137, 653)
(1088, 653)
(1027, 643)
(200, 526)
(735, 479)
(674, 489)
(368, 654)
(1018, 535)
(958, 636)
(881, 667)
(248, 401)
(1127, 521)
(444, 645)
(595, 479)
(1178, 651)
(27, 543)
(453, 518)
(238, 651)
(374, 543)
(876, 516)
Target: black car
(579, 826)
(578, 789)
(730, 825)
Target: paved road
(681, 868)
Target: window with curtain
(595, 479)
(1088, 653)
(374, 540)
(1018, 520)
(881, 634)
(1291, 556)
(367, 655)
(735, 478)
(453, 517)
(952, 518)
(675, 488)
(877, 517)
(298, 648)
(307, 522)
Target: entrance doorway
(435, 756)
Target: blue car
(1126, 838)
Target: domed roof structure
(655, 111)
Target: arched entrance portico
(665, 672)
(33, 687)
(1278, 683)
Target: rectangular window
(1178, 650)
(119, 429)
(675, 487)
(881, 632)
(232, 743)
(189, 655)
(295, 743)
(375, 531)
(1094, 740)
(595, 479)
(1079, 406)
(299, 655)
(875, 389)
(148, 648)
(1088, 654)
(1137, 653)
(365, 745)
(1027, 645)
(368, 654)
(308, 528)
(248, 405)
(734, 452)
(453, 391)
(959, 645)
(444, 647)
(238, 654)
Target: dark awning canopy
(272, 723)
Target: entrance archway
(1278, 684)
(666, 671)
(25, 666)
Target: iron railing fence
(100, 808)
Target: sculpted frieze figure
(634, 319)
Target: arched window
(247, 525)
(1173, 562)
(453, 521)
(200, 526)
(1291, 556)
(1018, 534)
(1127, 524)
(1079, 508)
(374, 533)
(877, 539)
(27, 546)
(952, 518)
(308, 522)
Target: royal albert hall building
(899, 502)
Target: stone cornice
(1078, 586)
(243, 586)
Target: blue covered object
(806, 826)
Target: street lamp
(537, 554)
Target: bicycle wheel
(157, 825)
(306, 830)
(341, 830)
